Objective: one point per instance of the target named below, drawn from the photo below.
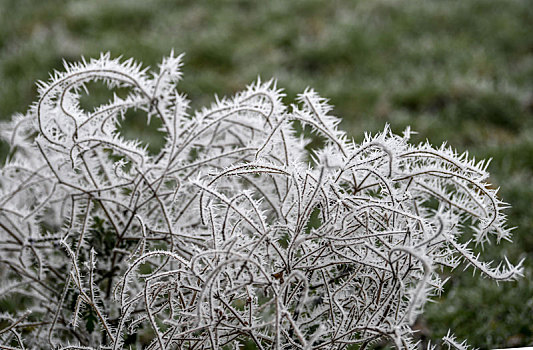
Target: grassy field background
(460, 71)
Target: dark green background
(460, 71)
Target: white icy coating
(229, 233)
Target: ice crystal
(229, 233)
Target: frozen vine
(229, 234)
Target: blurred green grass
(460, 71)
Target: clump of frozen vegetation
(234, 231)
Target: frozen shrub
(234, 232)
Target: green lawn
(460, 71)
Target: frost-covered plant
(234, 232)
